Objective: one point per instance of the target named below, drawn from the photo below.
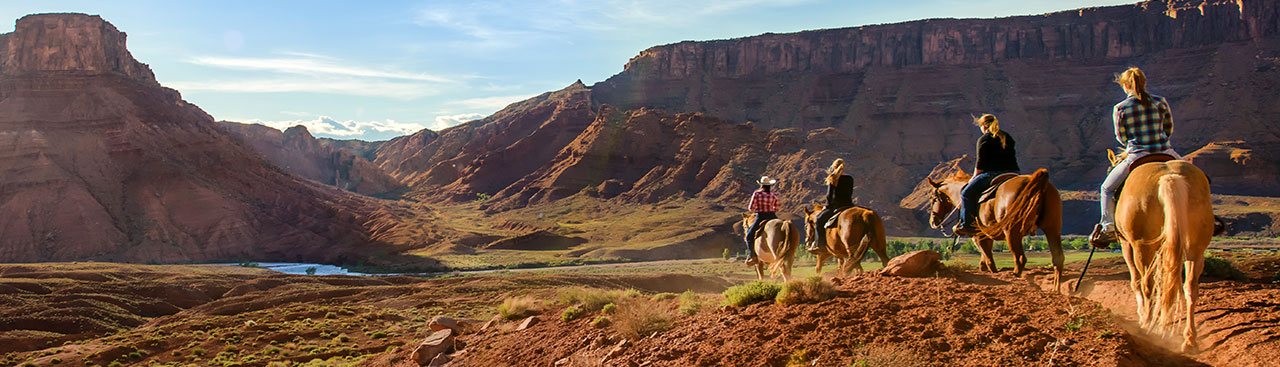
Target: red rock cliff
(69, 42)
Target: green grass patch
(746, 294)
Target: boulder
(913, 264)
(528, 322)
(459, 326)
(435, 344)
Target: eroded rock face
(70, 43)
(97, 161)
(296, 151)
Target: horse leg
(1015, 247)
(759, 271)
(988, 259)
(857, 252)
(822, 258)
(1190, 290)
(1054, 237)
(1135, 279)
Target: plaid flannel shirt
(763, 202)
(1143, 127)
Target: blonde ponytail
(833, 173)
(1135, 80)
(990, 122)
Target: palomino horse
(775, 246)
(1165, 219)
(844, 242)
(1020, 205)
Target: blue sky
(379, 69)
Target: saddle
(990, 192)
(835, 217)
(1152, 158)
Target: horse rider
(1143, 122)
(996, 156)
(764, 202)
(839, 196)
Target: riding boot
(1102, 237)
(819, 243)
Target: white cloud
(490, 103)
(311, 65)
(444, 122)
(323, 125)
(343, 86)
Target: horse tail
(1167, 274)
(1023, 210)
(786, 249)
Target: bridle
(942, 225)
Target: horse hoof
(1190, 348)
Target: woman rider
(765, 204)
(839, 196)
(1143, 122)
(996, 156)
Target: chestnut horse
(1165, 218)
(845, 241)
(776, 245)
(1021, 204)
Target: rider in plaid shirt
(1143, 123)
(765, 204)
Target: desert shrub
(725, 254)
(311, 270)
(1220, 268)
(959, 265)
(1074, 323)
(884, 356)
(690, 303)
(608, 308)
(636, 319)
(807, 290)
(800, 357)
(571, 313)
(663, 296)
(518, 307)
(601, 321)
(198, 352)
(631, 292)
(589, 299)
(757, 291)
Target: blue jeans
(969, 195)
(1115, 179)
(755, 226)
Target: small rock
(439, 360)
(491, 323)
(616, 350)
(562, 362)
(436, 343)
(528, 322)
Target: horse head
(747, 218)
(1115, 158)
(810, 219)
(940, 204)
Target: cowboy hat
(767, 181)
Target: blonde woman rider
(1143, 122)
(839, 196)
(996, 156)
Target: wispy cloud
(343, 86)
(490, 103)
(444, 122)
(503, 24)
(323, 125)
(311, 65)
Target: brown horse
(845, 241)
(776, 245)
(1021, 204)
(1165, 219)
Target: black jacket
(995, 158)
(841, 194)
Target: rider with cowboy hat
(764, 203)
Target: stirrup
(1101, 238)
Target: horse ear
(807, 209)
(746, 215)
(935, 184)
